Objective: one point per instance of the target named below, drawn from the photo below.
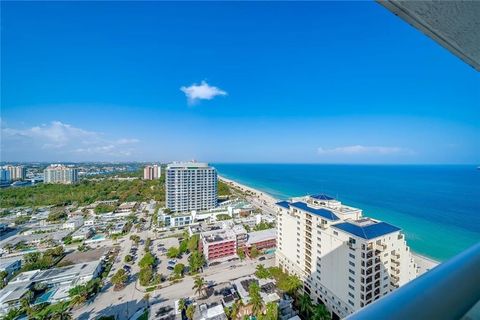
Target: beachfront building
(190, 186)
(152, 172)
(57, 173)
(15, 172)
(345, 260)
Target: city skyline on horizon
(185, 81)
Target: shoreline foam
(423, 263)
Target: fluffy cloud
(362, 150)
(58, 140)
(203, 91)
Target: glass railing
(448, 291)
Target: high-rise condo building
(152, 172)
(4, 176)
(16, 172)
(190, 186)
(346, 261)
(57, 173)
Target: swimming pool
(45, 297)
(270, 251)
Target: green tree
(119, 279)
(255, 298)
(305, 305)
(190, 312)
(128, 258)
(178, 270)
(254, 252)
(173, 252)
(320, 312)
(135, 238)
(223, 216)
(241, 254)
(3, 277)
(193, 243)
(196, 260)
(182, 304)
(271, 312)
(262, 272)
(147, 260)
(183, 246)
(199, 285)
(146, 276)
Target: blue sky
(344, 82)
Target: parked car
(172, 261)
(170, 268)
(261, 258)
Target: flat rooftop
(263, 235)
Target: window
(351, 287)
(349, 301)
(351, 271)
(351, 263)
(351, 279)
(351, 295)
(351, 255)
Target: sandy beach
(423, 263)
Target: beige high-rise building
(57, 173)
(16, 172)
(346, 261)
(152, 172)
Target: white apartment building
(152, 172)
(57, 173)
(190, 186)
(15, 172)
(345, 260)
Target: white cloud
(58, 140)
(362, 150)
(202, 91)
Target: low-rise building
(262, 240)
(218, 244)
(126, 207)
(57, 280)
(10, 265)
(82, 233)
(118, 228)
(72, 224)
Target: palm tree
(199, 285)
(190, 312)
(320, 312)
(255, 298)
(305, 305)
(182, 304)
(62, 312)
(235, 309)
(293, 283)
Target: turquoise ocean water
(438, 207)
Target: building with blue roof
(345, 260)
(368, 231)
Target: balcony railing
(448, 291)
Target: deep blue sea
(438, 207)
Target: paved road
(124, 303)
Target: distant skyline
(311, 82)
